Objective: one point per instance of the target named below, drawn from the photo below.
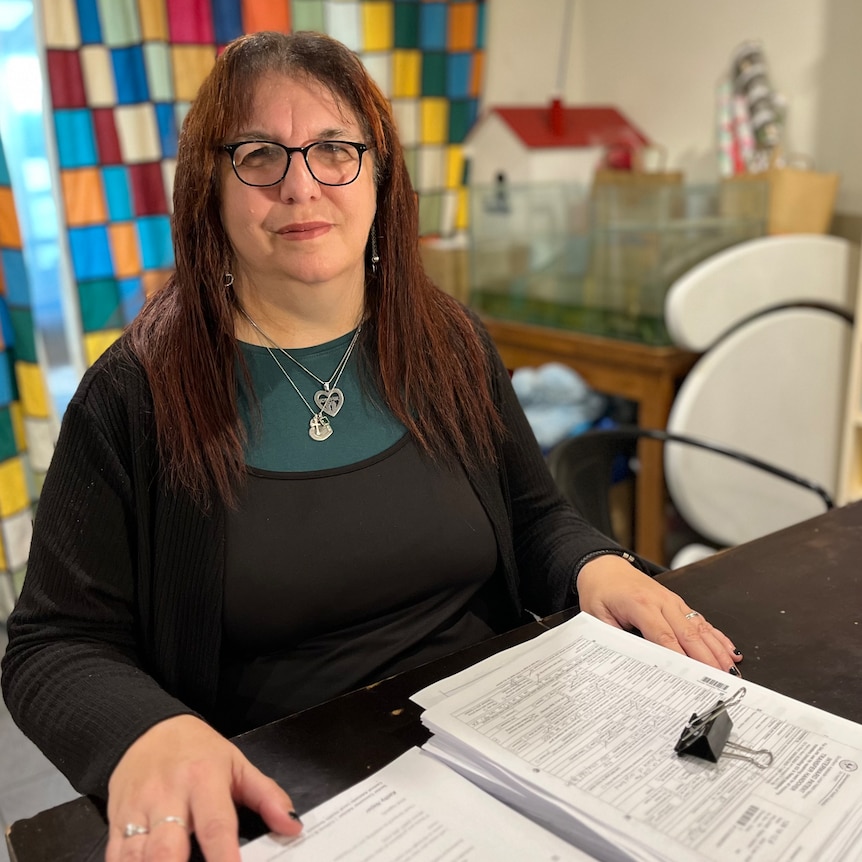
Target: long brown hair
(429, 362)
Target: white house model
(546, 143)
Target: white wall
(659, 62)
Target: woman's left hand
(617, 593)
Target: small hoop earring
(228, 279)
(375, 257)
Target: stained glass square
(25, 338)
(309, 15)
(227, 20)
(66, 80)
(191, 22)
(14, 493)
(131, 297)
(124, 249)
(99, 304)
(160, 80)
(406, 112)
(117, 192)
(61, 26)
(168, 132)
(148, 192)
(107, 138)
(31, 388)
(91, 252)
(8, 390)
(138, 133)
(88, 21)
(260, 15)
(83, 196)
(462, 117)
(379, 66)
(157, 251)
(462, 26)
(433, 26)
(344, 22)
(98, 73)
(76, 144)
(8, 441)
(130, 75)
(154, 20)
(10, 235)
(377, 25)
(459, 68)
(191, 63)
(120, 22)
(406, 24)
(15, 276)
(434, 73)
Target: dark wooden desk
(792, 601)
(643, 373)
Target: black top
(402, 542)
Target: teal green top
(280, 442)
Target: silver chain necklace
(329, 400)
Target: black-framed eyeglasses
(265, 163)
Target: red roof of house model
(540, 126)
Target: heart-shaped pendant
(329, 401)
(319, 427)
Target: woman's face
(299, 229)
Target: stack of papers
(576, 730)
(414, 809)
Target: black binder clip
(706, 736)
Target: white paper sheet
(414, 809)
(582, 722)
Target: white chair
(773, 317)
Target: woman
(301, 469)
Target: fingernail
(734, 671)
(294, 816)
(737, 652)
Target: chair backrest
(583, 467)
(745, 280)
(774, 389)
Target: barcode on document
(747, 815)
(715, 683)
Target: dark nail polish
(737, 652)
(294, 816)
(734, 671)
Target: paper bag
(801, 199)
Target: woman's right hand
(181, 776)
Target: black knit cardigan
(119, 623)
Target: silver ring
(692, 615)
(172, 818)
(133, 829)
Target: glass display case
(600, 259)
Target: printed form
(577, 728)
(414, 809)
